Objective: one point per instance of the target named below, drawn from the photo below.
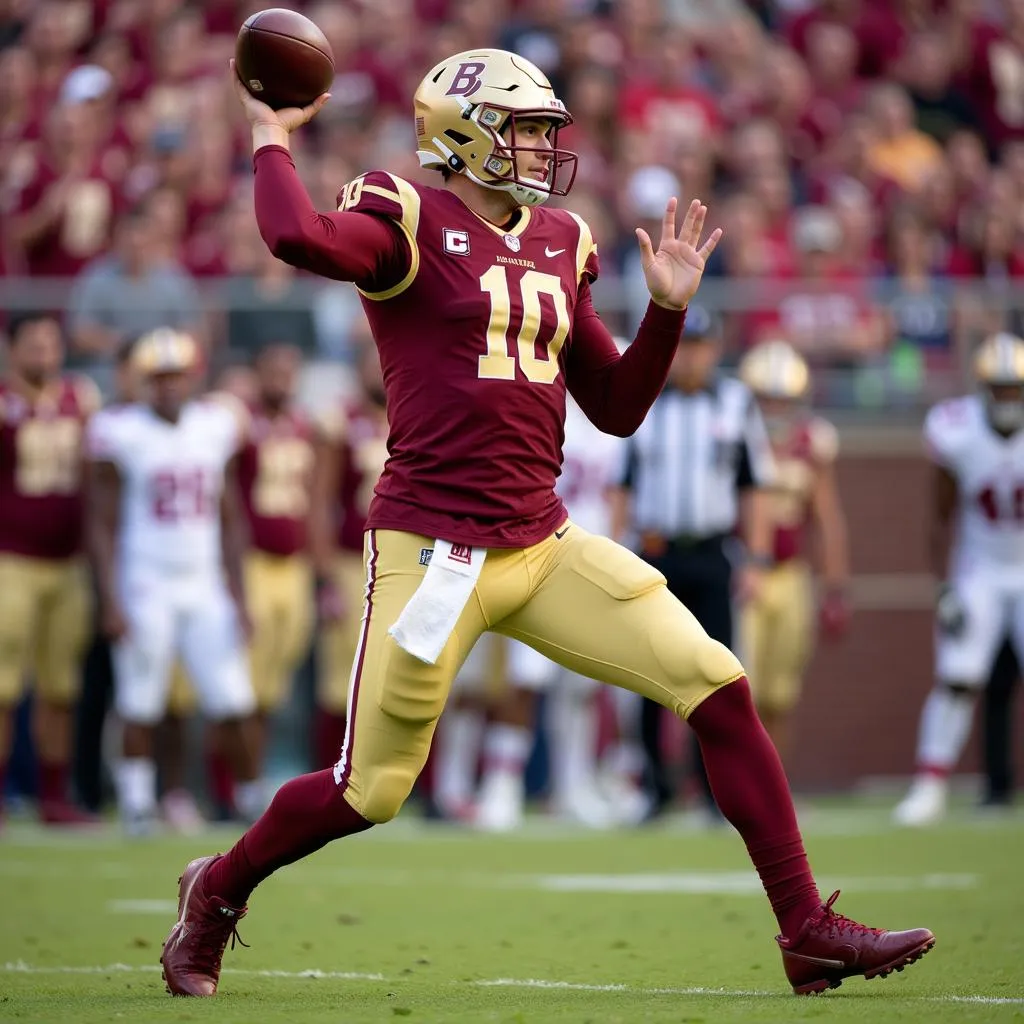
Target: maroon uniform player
(44, 603)
(479, 300)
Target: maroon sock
(53, 781)
(221, 779)
(305, 815)
(750, 787)
(329, 738)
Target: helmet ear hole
(456, 163)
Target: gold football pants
(776, 635)
(582, 600)
(44, 625)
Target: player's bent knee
(385, 789)
(693, 661)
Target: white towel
(431, 613)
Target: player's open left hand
(674, 271)
(258, 112)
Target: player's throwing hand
(674, 271)
(258, 113)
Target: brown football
(283, 59)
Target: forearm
(101, 543)
(835, 565)
(341, 246)
(615, 391)
(757, 524)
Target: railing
(915, 348)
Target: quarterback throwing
(479, 300)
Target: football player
(165, 529)
(44, 593)
(275, 472)
(479, 300)
(350, 460)
(777, 622)
(976, 444)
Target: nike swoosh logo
(553, 252)
(559, 534)
(821, 961)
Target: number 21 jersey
(989, 470)
(172, 479)
(474, 343)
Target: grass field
(431, 924)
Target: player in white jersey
(590, 461)
(165, 533)
(977, 446)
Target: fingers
(709, 246)
(646, 249)
(699, 211)
(315, 107)
(668, 223)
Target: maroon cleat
(194, 949)
(62, 813)
(830, 947)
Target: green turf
(442, 916)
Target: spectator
(940, 107)
(63, 216)
(919, 300)
(900, 151)
(270, 305)
(133, 290)
(19, 123)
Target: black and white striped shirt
(692, 456)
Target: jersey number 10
(497, 364)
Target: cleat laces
(210, 938)
(839, 924)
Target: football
(283, 59)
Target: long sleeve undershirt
(614, 391)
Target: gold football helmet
(165, 350)
(466, 110)
(774, 369)
(999, 369)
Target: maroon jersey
(82, 231)
(275, 474)
(473, 343)
(802, 449)
(40, 468)
(363, 442)
(481, 330)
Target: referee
(692, 478)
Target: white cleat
(925, 804)
(181, 813)
(500, 804)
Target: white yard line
(20, 967)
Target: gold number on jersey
(350, 194)
(282, 479)
(497, 364)
(48, 456)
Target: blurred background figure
(44, 594)
(695, 473)
(977, 448)
(165, 531)
(777, 627)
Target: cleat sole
(815, 988)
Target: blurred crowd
(865, 157)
